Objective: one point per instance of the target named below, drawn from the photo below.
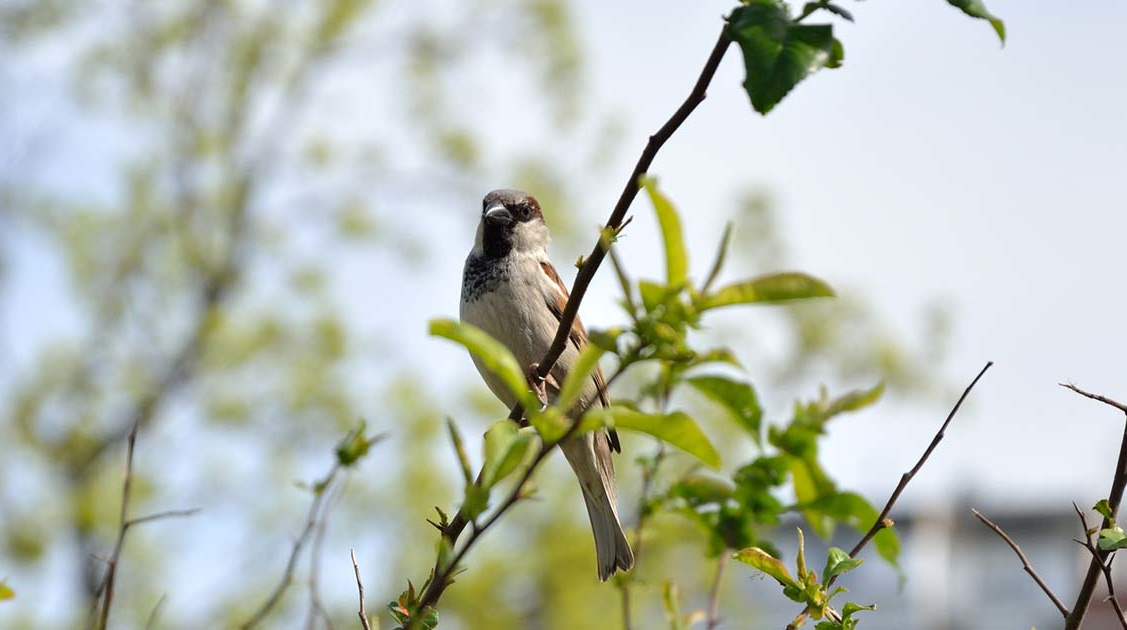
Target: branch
(106, 589)
(1118, 482)
(649, 474)
(363, 613)
(1104, 566)
(714, 593)
(883, 521)
(1107, 401)
(316, 608)
(1024, 562)
(321, 490)
(592, 262)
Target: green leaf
(763, 561)
(856, 512)
(853, 401)
(579, 376)
(810, 484)
(355, 445)
(800, 558)
(676, 429)
(491, 353)
(605, 339)
(399, 612)
(460, 450)
(810, 7)
(848, 622)
(1104, 508)
(505, 448)
(738, 398)
(778, 52)
(977, 9)
(676, 259)
(721, 255)
(838, 562)
(552, 425)
(850, 608)
(1112, 538)
(475, 501)
(698, 489)
(769, 289)
(6, 591)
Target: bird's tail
(589, 456)
(611, 547)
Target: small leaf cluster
(806, 589)
(406, 612)
(1112, 537)
(355, 445)
(734, 511)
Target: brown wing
(578, 338)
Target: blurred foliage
(203, 305)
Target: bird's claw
(538, 384)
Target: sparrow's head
(511, 221)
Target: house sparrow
(512, 292)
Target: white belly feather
(516, 314)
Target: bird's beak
(497, 214)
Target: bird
(511, 291)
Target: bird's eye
(525, 211)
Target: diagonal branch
(592, 262)
(316, 514)
(1118, 483)
(1024, 562)
(1105, 400)
(363, 613)
(883, 521)
(1104, 566)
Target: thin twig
(714, 592)
(1118, 483)
(161, 515)
(1105, 400)
(321, 490)
(363, 613)
(316, 608)
(1105, 566)
(629, 192)
(1024, 562)
(111, 569)
(649, 474)
(883, 521)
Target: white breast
(516, 314)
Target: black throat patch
(497, 240)
(483, 274)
